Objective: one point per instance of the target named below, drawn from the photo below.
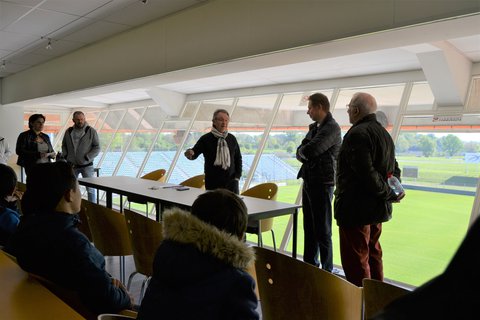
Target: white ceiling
(26, 26)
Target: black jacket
(198, 273)
(320, 148)
(50, 245)
(367, 155)
(26, 148)
(215, 176)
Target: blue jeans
(317, 225)
(87, 172)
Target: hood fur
(183, 227)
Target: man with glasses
(223, 159)
(363, 199)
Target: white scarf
(223, 154)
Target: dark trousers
(317, 225)
(361, 253)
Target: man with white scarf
(223, 160)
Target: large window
(437, 149)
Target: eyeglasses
(349, 106)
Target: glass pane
(421, 97)
(248, 122)
(388, 101)
(440, 165)
(168, 143)
(108, 159)
(141, 142)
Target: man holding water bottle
(363, 198)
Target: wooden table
(163, 194)
(23, 298)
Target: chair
(378, 294)
(292, 289)
(267, 191)
(195, 182)
(145, 236)
(70, 297)
(109, 233)
(156, 175)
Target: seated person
(9, 217)
(454, 294)
(48, 243)
(199, 268)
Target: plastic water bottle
(395, 184)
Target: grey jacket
(88, 147)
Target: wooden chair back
(267, 191)
(378, 294)
(145, 236)
(195, 182)
(70, 297)
(292, 289)
(156, 175)
(109, 231)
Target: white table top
(155, 191)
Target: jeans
(87, 172)
(317, 225)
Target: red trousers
(361, 253)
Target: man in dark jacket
(223, 159)
(318, 154)
(363, 199)
(48, 243)
(199, 269)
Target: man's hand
(189, 154)
(399, 197)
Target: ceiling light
(49, 45)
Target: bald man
(363, 199)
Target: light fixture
(49, 45)
(2, 66)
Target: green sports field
(418, 242)
(426, 229)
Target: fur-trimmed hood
(181, 226)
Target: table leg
(109, 199)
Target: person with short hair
(48, 243)
(199, 268)
(9, 218)
(223, 159)
(5, 151)
(318, 155)
(80, 146)
(34, 146)
(363, 198)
